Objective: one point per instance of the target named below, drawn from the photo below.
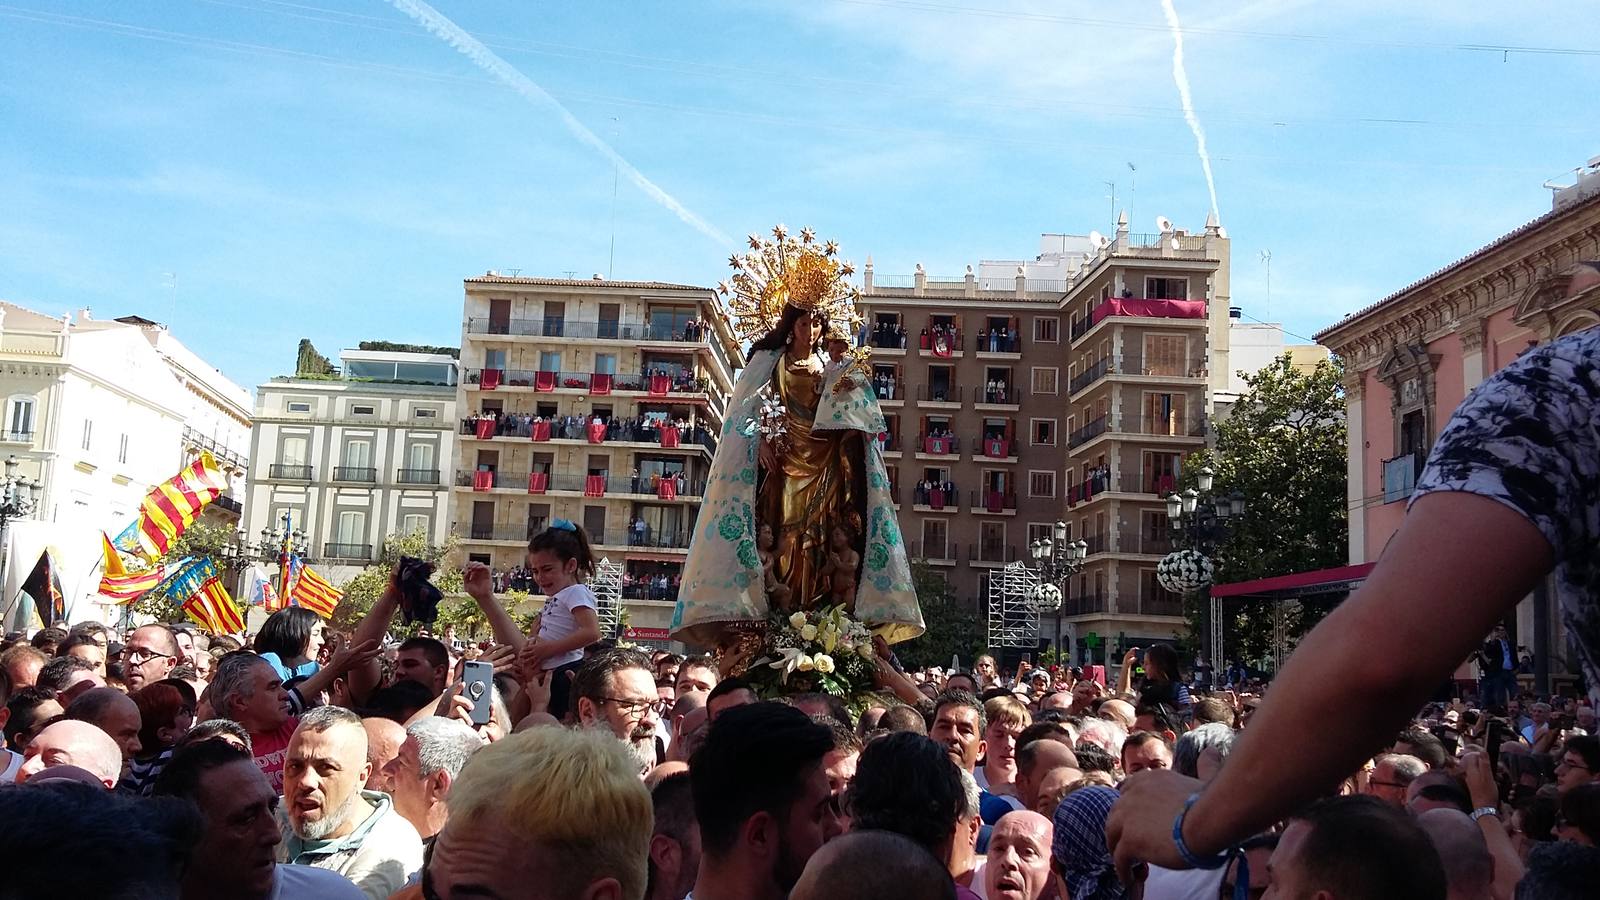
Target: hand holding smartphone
(477, 685)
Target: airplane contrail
(1182, 78)
(506, 74)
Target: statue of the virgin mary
(797, 513)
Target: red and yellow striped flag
(314, 593)
(118, 583)
(172, 506)
(213, 609)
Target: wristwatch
(1482, 811)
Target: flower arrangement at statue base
(822, 650)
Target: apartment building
(1148, 346)
(355, 454)
(594, 401)
(970, 372)
(97, 412)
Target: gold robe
(819, 485)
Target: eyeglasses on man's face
(141, 655)
(632, 709)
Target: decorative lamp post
(19, 498)
(1200, 520)
(1057, 560)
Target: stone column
(1355, 463)
(1471, 334)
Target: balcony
(1087, 433)
(888, 389)
(994, 344)
(624, 486)
(289, 472)
(1084, 604)
(416, 476)
(995, 502)
(935, 499)
(1144, 542)
(16, 437)
(992, 553)
(572, 428)
(603, 330)
(1123, 482)
(1140, 307)
(195, 440)
(937, 445)
(994, 448)
(997, 395)
(357, 474)
(1169, 425)
(1157, 602)
(228, 503)
(889, 340)
(1400, 476)
(1132, 364)
(940, 393)
(518, 533)
(935, 552)
(1097, 543)
(346, 551)
(597, 383)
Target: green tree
(1282, 447)
(203, 540)
(952, 629)
(362, 590)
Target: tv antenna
(1266, 258)
(1112, 187)
(611, 261)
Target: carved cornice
(1470, 333)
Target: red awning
(1298, 584)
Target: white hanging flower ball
(823, 662)
(1047, 595)
(1185, 572)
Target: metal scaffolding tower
(607, 587)
(1013, 614)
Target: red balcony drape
(594, 486)
(667, 489)
(660, 385)
(600, 383)
(482, 481)
(597, 433)
(538, 482)
(670, 436)
(540, 431)
(484, 429)
(544, 381)
(490, 379)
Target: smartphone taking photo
(477, 685)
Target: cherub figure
(780, 593)
(840, 568)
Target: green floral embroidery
(881, 582)
(878, 481)
(747, 554)
(877, 557)
(730, 527)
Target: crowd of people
(326, 766)
(170, 764)
(888, 336)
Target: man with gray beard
(329, 821)
(615, 691)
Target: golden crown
(789, 271)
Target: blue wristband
(1189, 859)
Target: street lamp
(275, 545)
(19, 497)
(1200, 525)
(1057, 560)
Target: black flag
(45, 588)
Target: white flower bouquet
(821, 650)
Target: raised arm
(1458, 563)
(364, 677)
(479, 584)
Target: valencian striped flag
(213, 609)
(121, 585)
(172, 506)
(312, 590)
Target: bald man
(384, 737)
(1119, 711)
(1468, 867)
(111, 711)
(872, 865)
(1018, 865)
(1036, 760)
(73, 743)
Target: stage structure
(1013, 607)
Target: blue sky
(330, 169)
